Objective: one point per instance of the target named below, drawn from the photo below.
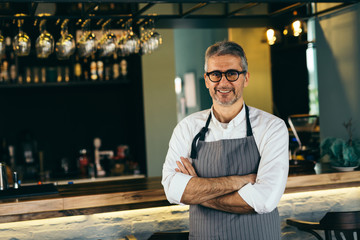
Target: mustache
(224, 89)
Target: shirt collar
(237, 120)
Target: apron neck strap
(248, 125)
(201, 135)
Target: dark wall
(289, 79)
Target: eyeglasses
(231, 75)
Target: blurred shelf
(65, 84)
(87, 180)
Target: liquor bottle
(115, 68)
(107, 67)
(43, 74)
(59, 74)
(86, 69)
(100, 69)
(28, 75)
(123, 66)
(83, 163)
(67, 74)
(36, 75)
(5, 71)
(93, 69)
(13, 72)
(29, 156)
(20, 79)
(77, 69)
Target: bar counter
(99, 197)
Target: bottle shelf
(65, 84)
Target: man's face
(224, 92)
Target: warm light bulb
(270, 35)
(296, 25)
(177, 85)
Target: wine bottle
(86, 69)
(5, 71)
(59, 74)
(43, 74)
(28, 75)
(36, 75)
(83, 163)
(67, 74)
(20, 79)
(93, 69)
(107, 67)
(77, 69)
(13, 72)
(115, 68)
(123, 66)
(100, 69)
(29, 156)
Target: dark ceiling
(173, 14)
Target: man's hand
(185, 167)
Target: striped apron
(225, 158)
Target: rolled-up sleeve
(272, 174)
(174, 186)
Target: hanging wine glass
(132, 42)
(150, 40)
(156, 38)
(121, 44)
(87, 41)
(22, 42)
(45, 42)
(144, 39)
(65, 46)
(107, 43)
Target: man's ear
(246, 81)
(206, 82)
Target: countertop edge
(56, 206)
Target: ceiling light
(296, 26)
(270, 36)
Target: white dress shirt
(272, 140)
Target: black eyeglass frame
(231, 70)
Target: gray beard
(228, 103)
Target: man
(229, 163)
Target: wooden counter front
(89, 198)
(86, 198)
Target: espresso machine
(304, 141)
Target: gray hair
(225, 48)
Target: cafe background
(314, 73)
(336, 60)
(143, 109)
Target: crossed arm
(217, 193)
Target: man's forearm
(231, 202)
(199, 190)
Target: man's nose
(223, 78)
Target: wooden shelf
(65, 84)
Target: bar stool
(342, 223)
